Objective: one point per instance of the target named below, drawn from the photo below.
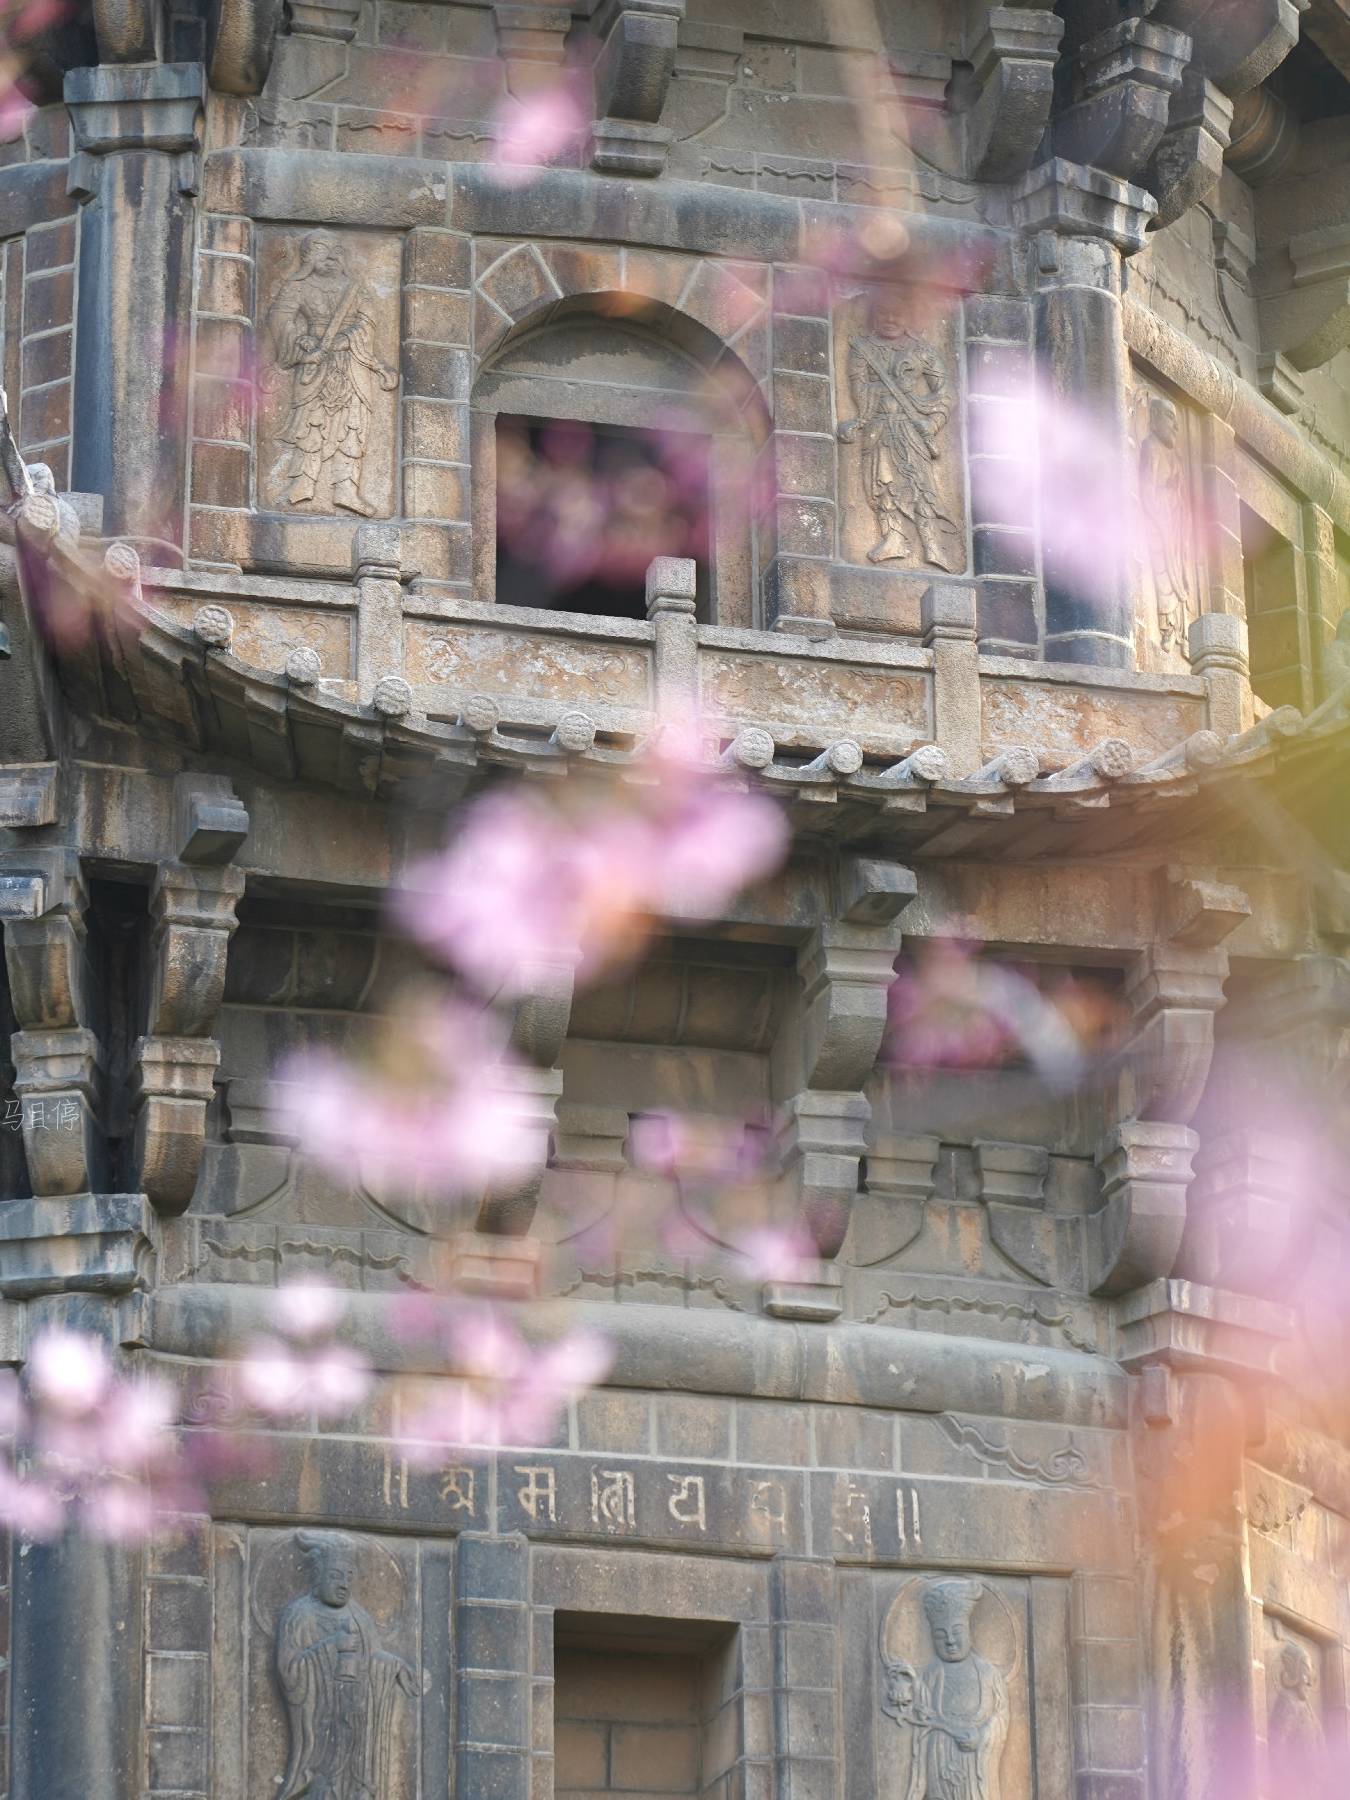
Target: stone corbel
(129, 31)
(531, 43)
(1174, 991)
(1126, 77)
(335, 19)
(192, 905)
(1012, 1188)
(633, 69)
(1235, 46)
(1186, 166)
(846, 968)
(1305, 308)
(1134, 1236)
(240, 36)
(57, 1058)
(539, 1024)
(1014, 72)
(889, 1214)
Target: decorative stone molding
(115, 108)
(1067, 199)
(531, 43)
(325, 18)
(889, 1214)
(633, 68)
(1174, 992)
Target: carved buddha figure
(323, 334)
(957, 1705)
(341, 1689)
(903, 401)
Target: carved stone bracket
(888, 1215)
(633, 68)
(1186, 166)
(1012, 1187)
(240, 35)
(1305, 308)
(846, 968)
(1174, 992)
(531, 43)
(1134, 1237)
(192, 905)
(156, 107)
(1063, 197)
(1235, 46)
(1125, 79)
(325, 18)
(57, 1058)
(1014, 65)
(540, 1020)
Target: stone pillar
(1218, 647)
(671, 587)
(377, 563)
(136, 134)
(492, 1625)
(948, 619)
(1002, 487)
(1084, 219)
(805, 1690)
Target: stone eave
(139, 669)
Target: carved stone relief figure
(322, 334)
(1166, 542)
(956, 1706)
(1297, 1740)
(343, 1693)
(904, 399)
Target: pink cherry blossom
(307, 1308)
(536, 130)
(68, 1371)
(452, 1117)
(524, 882)
(505, 1391)
(282, 1382)
(777, 1252)
(32, 1508)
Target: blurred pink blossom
(524, 881)
(330, 1380)
(68, 1372)
(452, 1117)
(306, 1307)
(777, 1252)
(507, 1391)
(950, 1008)
(536, 130)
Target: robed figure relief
(903, 401)
(1297, 1741)
(956, 1706)
(343, 1693)
(322, 331)
(1162, 500)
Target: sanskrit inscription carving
(956, 1707)
(328, 387)
(903, 400)
(344, 1694)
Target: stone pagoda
(1016, 1494)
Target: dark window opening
(1276, 627)
(582, 510)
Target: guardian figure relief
(322, 331)
(903, 400)
(343, 1693)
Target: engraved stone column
(136, 133)
(948, 619)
